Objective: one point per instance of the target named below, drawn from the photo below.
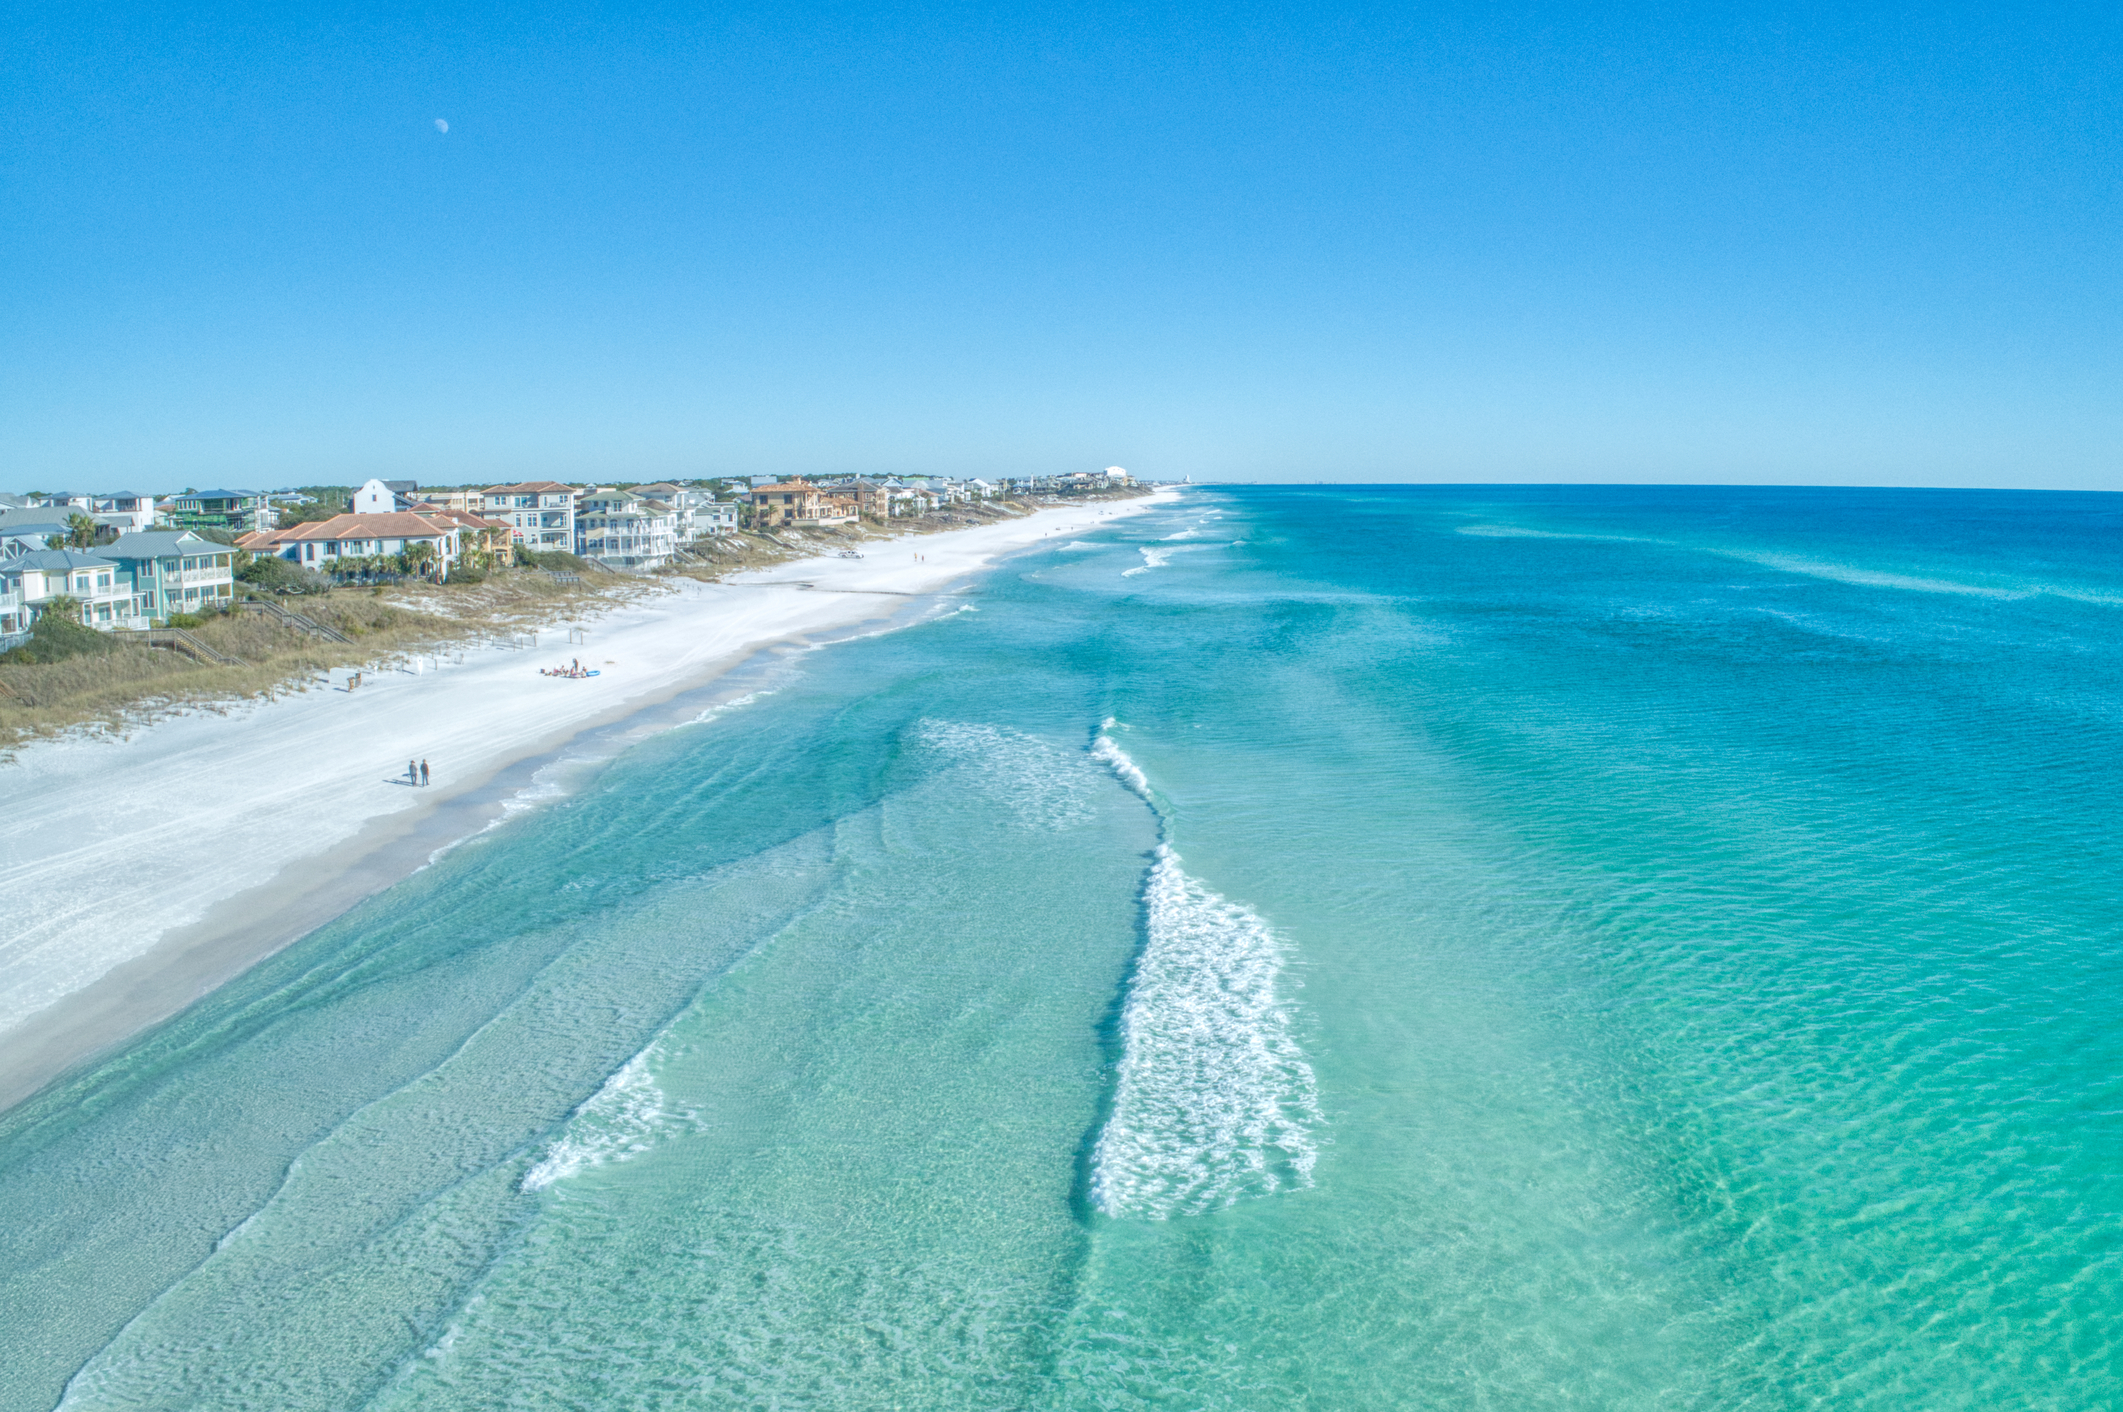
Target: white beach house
(540, 512)
(626, 529)
(328, 545)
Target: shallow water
(1362, 947)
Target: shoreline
(132, 917)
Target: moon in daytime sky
(441, 126)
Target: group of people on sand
(572, 669)
(416, 772)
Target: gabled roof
(160, 544)
(50, 559)
(217, 495)
(457, 517)
(541, 487)
(11, 527)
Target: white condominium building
(540, 512)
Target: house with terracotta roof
(493, 539)
(331, 546)
(798, 504)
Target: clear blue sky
(1269, 242)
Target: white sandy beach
(137, 873)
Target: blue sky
(1275, 242)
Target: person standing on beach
(412, 773)
(423, 774)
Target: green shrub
(552, 560)
(283, 576)
(58, 635)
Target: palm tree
(81, 531)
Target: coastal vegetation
(70, 676)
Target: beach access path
(138, 873)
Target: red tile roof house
(798, 502)
(320, 545)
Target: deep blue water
(1305, 948)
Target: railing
(295, 620)
(177, 640)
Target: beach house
(27, 532)
(798, 504)
(541, 512)
(127, 511)
(480, 541)
(237, 511)
(625, 529)
(381, 497)
(427, 544)
(172, 571)
(102, 589)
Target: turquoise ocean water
(1301, 948)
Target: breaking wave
(1214, 1100)
(623, 1119)
(1152, 559)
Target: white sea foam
(623, 1119)
(1045, 786)
(1872, 578)
(1152, 559)
(1116, 759)
(723, 707)
(1082, 544)
(1215, 1101)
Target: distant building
(128, 510)
(798, 504)
(685, 501)
(471, 502)
(382, 497)
(541, 512)
(237, 511)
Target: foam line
(1214, 1101)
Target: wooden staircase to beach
(178, 640)
(294, 620)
